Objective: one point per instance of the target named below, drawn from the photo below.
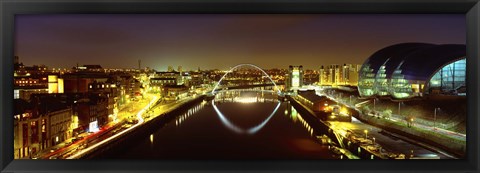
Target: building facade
(93, 112)
(25, 92)
(334, 74)
(174, 92)
(295, 77)
(60, 125)
(409, 70)
(40, 124)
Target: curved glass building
(414, 69)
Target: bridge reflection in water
(235, 125)
(235, 96)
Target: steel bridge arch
(245, 64)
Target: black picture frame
(9, 8)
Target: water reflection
(295, 116)
(180, 119)
(264, 129)
(245, 96)
(239, 130)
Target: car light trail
(140, 121)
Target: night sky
(221, 41)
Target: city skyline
(405, 74)
(222, 41)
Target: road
(139, 111)
(156, 110)
(86, 139)
(399, 118)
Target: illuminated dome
(413, 69)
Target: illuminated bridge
(275, 87)
(226, 122)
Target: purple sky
(220, 41)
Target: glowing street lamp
(344, 111)
(435, 118)
(366, 133)
(399, 108)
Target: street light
(399, 107)
(373, 140)
(435, 118)
(366, 133)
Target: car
(36, 156)
(83, 146)
(53, 149)
(77, 139)
(74, 140)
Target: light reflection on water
(239, 130)
(295, 116)
(180, 119)
(236, 97)
(204, 132)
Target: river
(237, 124)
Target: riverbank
(417, 130)
(143, 130)
(362, 148)
(449, 144)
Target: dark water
(251, 126)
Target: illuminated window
(416, 88)
(381, 82)
(401, 88)
(366, 81)
(295, 78)
(16, 94)
(450, 77)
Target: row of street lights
(435, 118)
(366, 135)
(399, 111)
(411, 119)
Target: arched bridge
(230, 125)
(251, 65)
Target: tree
(387, 113)
(366, 110)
